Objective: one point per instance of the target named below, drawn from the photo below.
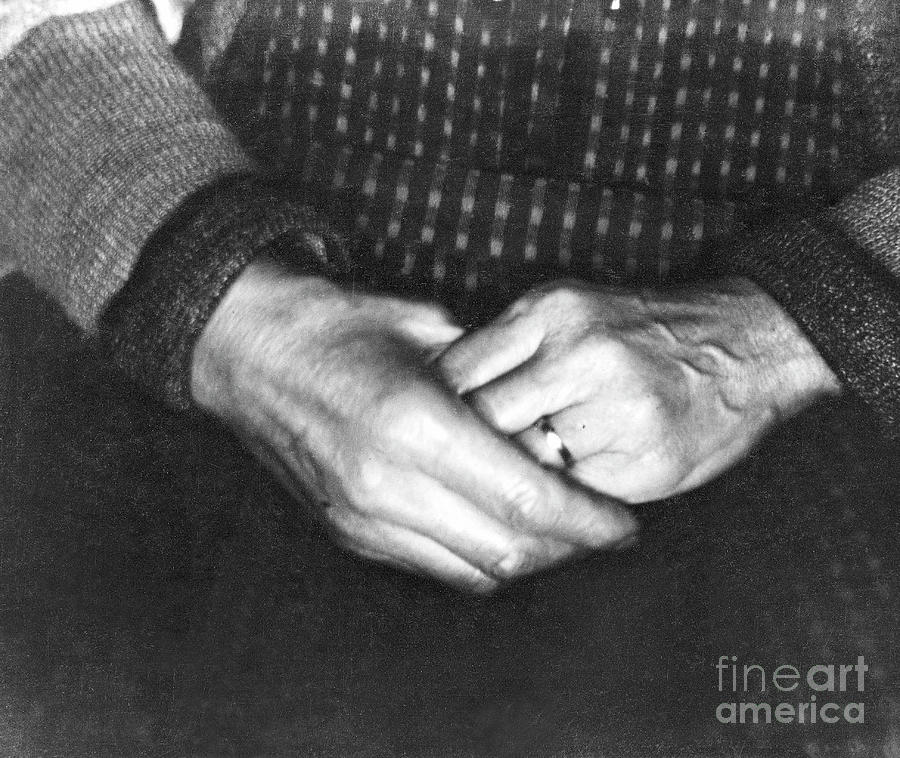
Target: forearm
(102, 137)
(126, 197)
(836, 273)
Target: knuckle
(561, 297)
(371, 475)
(365, 486)
(560, 293)
(521, 308)
(525, 504)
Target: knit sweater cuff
(102, 136)
(848, 306)
(152, 325)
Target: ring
(551, 436)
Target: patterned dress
(478, 146)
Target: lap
(158, 590)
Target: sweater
(466, 151)
(127, 197)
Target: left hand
(653, 393)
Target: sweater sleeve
(127, 198)
(102, 137)
(837, 274)
(153, 323)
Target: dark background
(160, 596)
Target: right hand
(335, 393)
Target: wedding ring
(554, 441)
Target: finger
(406, 549)
(489, 352)
(519, 398)
(607, 472)
(629, 479)
(612, 453)
(543, 449)
(434, 335)
(494, 474)
(428, 508)
(584, 430)
(429, 324)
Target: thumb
(430, 325)
(486, 354)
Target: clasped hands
(418, 445)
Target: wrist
(787, 371)
(263, 296)
(762, 360)
(190, 264)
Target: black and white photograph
(450, 378)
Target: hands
(335, 392)
(653, 394)
(341, 396)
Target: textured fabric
(102, 136)
(871, 216)
(845, 302)
(161, 595)
(479, 148)
(18, 17)
(789, 569)
(565, 133)
(153, 323)
(476, 148)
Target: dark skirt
(160, 595)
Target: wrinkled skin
(652, 393)
(338, 394)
